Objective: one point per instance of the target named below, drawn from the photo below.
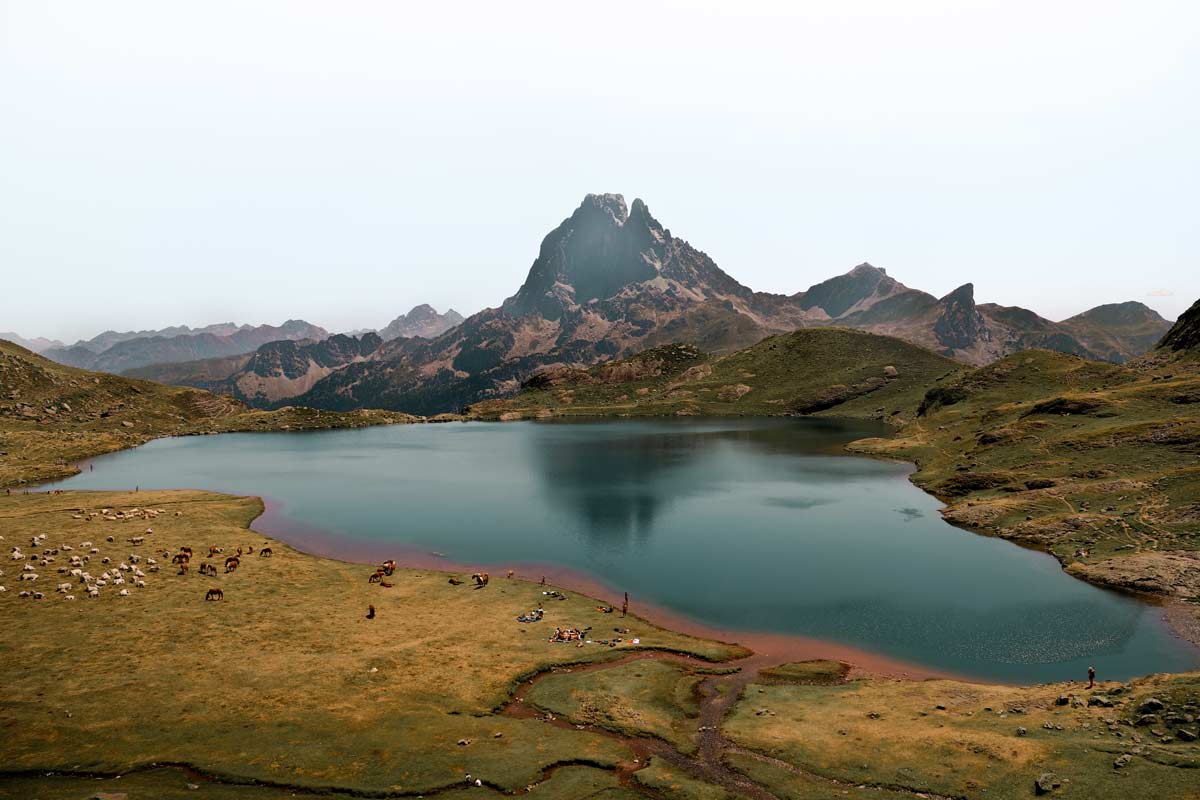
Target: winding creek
(760, 525)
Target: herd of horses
(183, 559)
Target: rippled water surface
(747, 524)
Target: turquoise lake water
(753, 524)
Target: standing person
(625, 605)
(1091, 677)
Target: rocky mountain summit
(423, 321)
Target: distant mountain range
(608, 282)
(118, 352)
(611, 281)
(37, 344)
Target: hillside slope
(52, 415)
(811, 371)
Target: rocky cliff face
(423, 321)
(281, 370)
(1185, 333)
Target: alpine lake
(764, 525)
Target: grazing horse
(231, 563)
(213, 550)
(510, 573)
(214, 594)
(183, 567)
(388, 567)
(187, 550)
(481, 579)
(181, 558)
(376, 576)
(264, 553)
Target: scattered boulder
(1100, 700)
(1046, 783)
(1185, 735)
(1062, 700)
(1146, 719)
(1122, 760)
(1151, 704)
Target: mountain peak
(963, 294)
(856, 290)
(612, 205)
(960, 325)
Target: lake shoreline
(769, 649)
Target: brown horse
(187, 550)
(213, 550)
(183, 567)
(265, 552)
(481, 579)
(214, 594)
(231, 563)
(388, 567)
(376, 577)
(181, 558)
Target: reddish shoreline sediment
(768, 648)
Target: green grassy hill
(1097, 463)
(52, 415)
(833, 371)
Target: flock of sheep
(75, 565)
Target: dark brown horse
(481, 579)
(265, 552)
(231, 563)
(214, 594)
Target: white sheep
(29, 576)
(94, 550)
(69, 597)
(85, 544)
(2, 589)
(23, 594)
(123, 567)
(118, 581)
(140, 584)
(16, 554)
(63, 587)
(124, 593)
(29, 567)
(38, 595)
(102, 583)
(154, 568)
(93, 592)
(134, 558)
(66, 548)
(106, 560)
(137, 573)
(151, 561)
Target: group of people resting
(532, 616)
(568, 635)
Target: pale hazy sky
(169, 162)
